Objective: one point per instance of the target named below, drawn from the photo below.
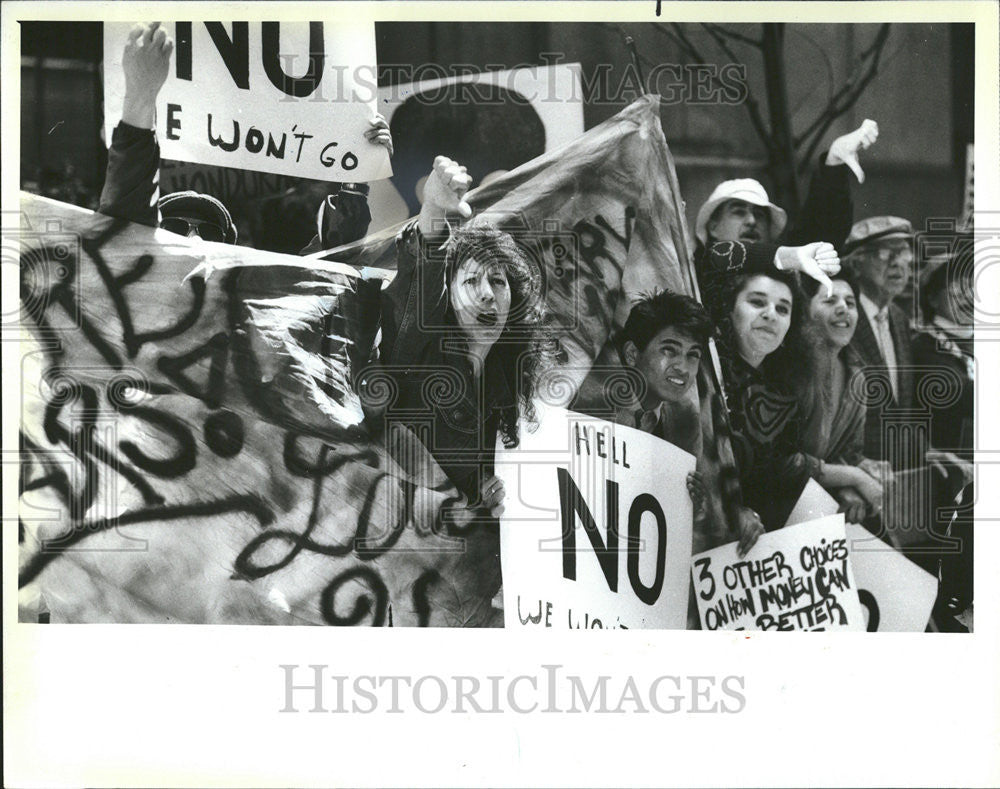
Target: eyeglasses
(886, 253)
(209, 231)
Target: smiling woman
(758, 310)
(835, 430)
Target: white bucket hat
(745, 189)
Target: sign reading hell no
(597, 526)
(286, 98)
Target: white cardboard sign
(597, 526)
(796, 578)
(292, 98)
(897, 594)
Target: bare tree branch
(676, 34)
(776, 85)
(864, 72)
(730, 33)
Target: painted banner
(796, 578)
(292, 98)
(897, 594)
(596, 531)
(191, 447)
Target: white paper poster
(552, 94)
(292, 98)
(795, 578)
(597, 526)
(896, 594)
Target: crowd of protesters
(805, 325)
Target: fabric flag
(191, 447)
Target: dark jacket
(455, 413)
(935, 352)
(131, 186)
(828, 212)
(767, 417)
(881, 401)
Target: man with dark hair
(663, 340)
(660, 349)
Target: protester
(945, 343)
(131, 186)
(835, 432)
(879, 252)
(740, 210)
(468, 312)
(759, 310)
(663, 341)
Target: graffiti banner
(191, 449)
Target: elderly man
(879, 251)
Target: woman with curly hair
(754, 297)
(462, 326)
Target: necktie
(646, 420)
(884, 336)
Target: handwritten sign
(286, 98)
(796, 578)
(896, 594)
(597, 528)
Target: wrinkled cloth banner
(192, 450)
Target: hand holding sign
(845, 149)
(492, 494)
(146, 63)
(750, 529)
(852, 504)
(379, 133)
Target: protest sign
(488, 130)
(490, 121)
(795, 578)
(897, 594)
(596, 531)
(292, 98)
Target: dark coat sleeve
(132, 185)
(828, 212)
